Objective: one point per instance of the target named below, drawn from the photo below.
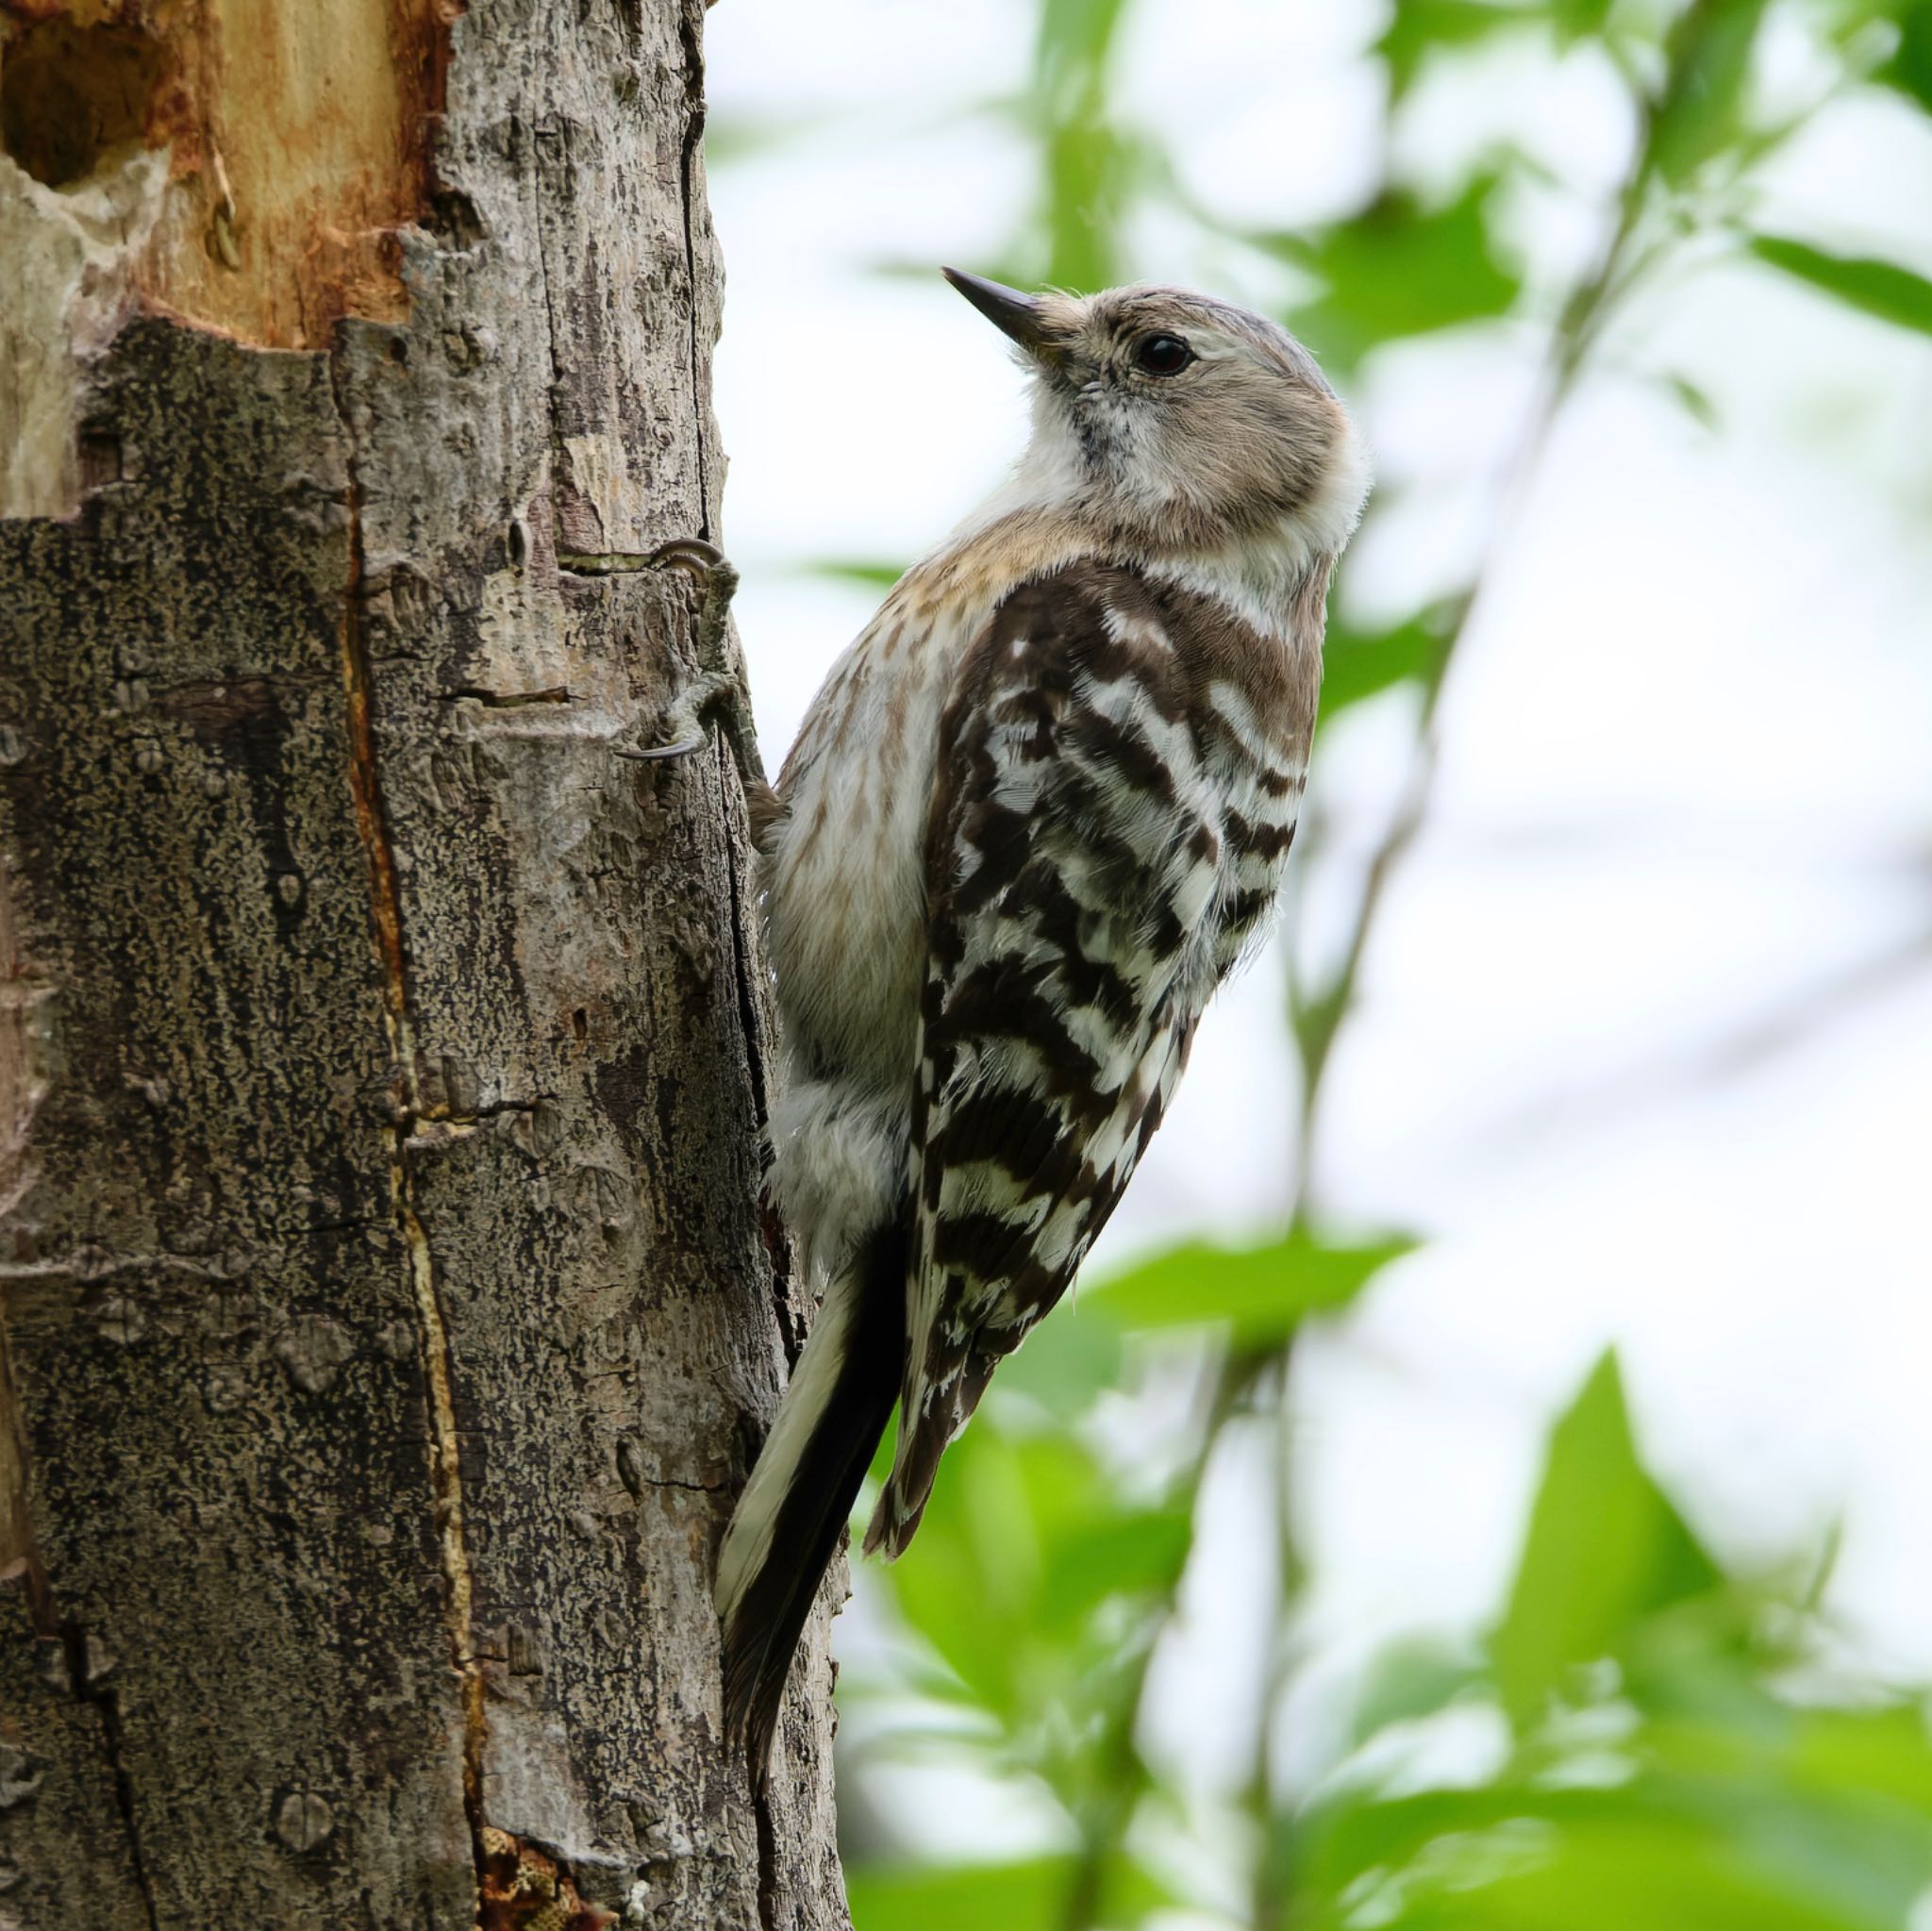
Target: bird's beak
(1007, 309)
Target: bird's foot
(682, 728)
(718, 691)
(692, 554)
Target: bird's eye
(1162, 355)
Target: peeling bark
(388, 1317)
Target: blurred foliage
(1661, 1749)
(1645, 1737)
(1256, 1295)
(1398, 268)
(1642, 1740)
(1880, 288)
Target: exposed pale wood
(294, 138)
(388, 1312)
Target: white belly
(845, 877)
(845, 922)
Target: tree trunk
(386, 1305)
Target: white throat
(1257, 577)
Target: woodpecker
(1037, 812)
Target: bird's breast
(845, 877)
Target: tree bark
(388, 1311)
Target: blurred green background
(1646, 1733)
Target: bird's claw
(685, 724)
(697, 558)
(651, 753)
(716, 690)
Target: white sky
(1645, 1048)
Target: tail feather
(931, 1413)
(786, 1526)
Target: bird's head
(1181, 421)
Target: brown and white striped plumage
(1036, 815)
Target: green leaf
(1615, 1873)
(1884, 1755)
(1259, 1294)
(1701, 111)
(1030, 1896)
(1093, 172)
(1018, 1897)
(1877, 288)
(858, 570)
(1735, 1845)
(1134, 1555)
(1025, 1536)
(1407, 1681)
(968, 1583)
(1076, 35)
(1418, 28)
(1578, 20)
(1361, 664)
(1091, 168)
(1690, 1794)
(1398, 269)
(1605, 1548)
(1909, 69)
(1065, 1366)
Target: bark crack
(507, 700)
(768, 1855)
(781, 1276)
(693, 136)
(429, 1130)
(556, 391)
(106, 1703)
(748, 1012)
(778, 1245)
(385, 908)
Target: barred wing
(1075, 888)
